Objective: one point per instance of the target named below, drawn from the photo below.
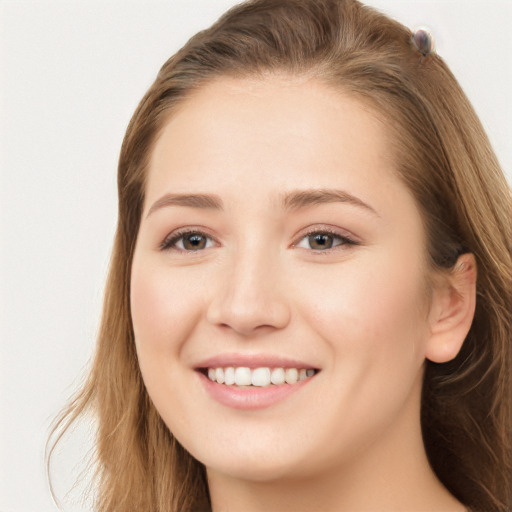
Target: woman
(309, 303)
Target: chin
(257, 465)
(256, 471)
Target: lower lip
(252, 397)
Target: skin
(350, 440)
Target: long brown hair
(443, 156)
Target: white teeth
(259, 377)
(242, 376)
(291, 375)
(229, 376)
(277, 376)
(219, 375)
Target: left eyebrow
(298, 199)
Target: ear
(452, 311)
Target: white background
(71, 75)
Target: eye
(324, 240)
(188, 241)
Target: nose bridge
(254, 273)
(250, 294)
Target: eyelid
(169, 242)
(342, 234)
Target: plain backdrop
(72, 72)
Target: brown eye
(324, 241)
(319, 241)
(194, 242)
(187, 241)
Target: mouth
(261, 377)
(253, 381)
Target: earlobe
(452, 311)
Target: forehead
(279, 132)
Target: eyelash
(345, 241)
(169, 243)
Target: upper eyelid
(331, 230)
(175, 235)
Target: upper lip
(253, 361)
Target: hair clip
(423, 41)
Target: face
(277, 244)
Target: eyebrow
(299, 199)
(291, 201)
(203, 201)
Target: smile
(258, 377)
(255, 381)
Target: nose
(250, 298)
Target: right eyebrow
(207, 201)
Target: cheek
(370, 311)
(149, 314)
(373, 325)
(161, 310)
